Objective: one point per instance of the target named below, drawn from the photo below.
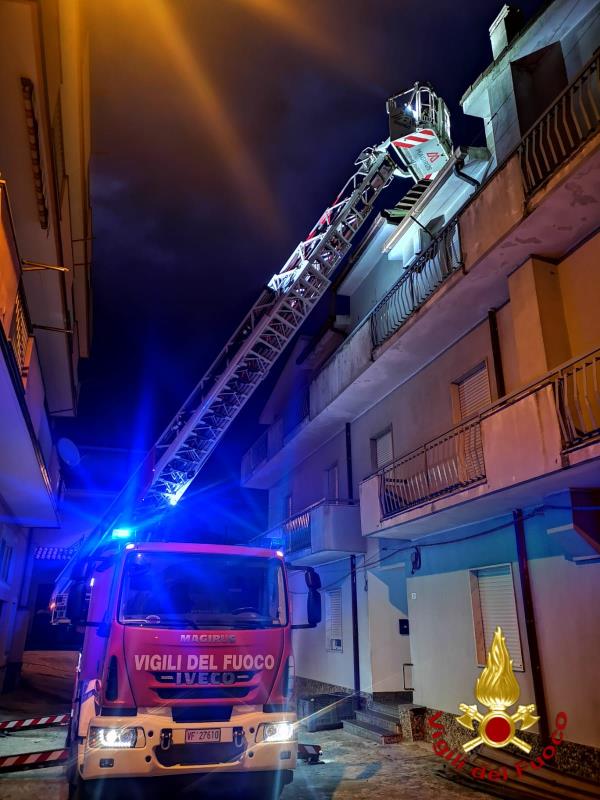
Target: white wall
(443, 641)
(313, 660)
(389, 650)
(566, 601)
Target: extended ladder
(291, 294)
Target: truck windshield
(202, 590)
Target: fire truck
(187, 666)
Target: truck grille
(204, 693)
(198, 754)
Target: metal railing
(444, 465)
(20, 334)
(577, 397)
(420, 280)
(291, 535)
(569, 122)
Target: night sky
(220, 131)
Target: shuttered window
(474, 392)
(382, 450)
(333, 620)
(493, 598)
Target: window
(332, 488)
(493, 601)
(382, 449)
(202, 590)
(473, 392)
(333, 620)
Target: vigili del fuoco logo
(496, 690)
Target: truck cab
(187, 666)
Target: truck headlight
(114, 737)
(278, 732)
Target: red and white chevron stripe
(414, 139)
(44, 758)
(34, 722)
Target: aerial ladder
(418, 147)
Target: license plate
(202, 735)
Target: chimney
(504, 28)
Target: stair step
(396, 710)
(389, 723)
(373, 732)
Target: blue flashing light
(122, 533)
(172, 499)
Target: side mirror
(313, 580)
(77, 603)
(313, 607)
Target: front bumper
(244, 754)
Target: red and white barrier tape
(23, 761)
(34, 722)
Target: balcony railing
(317, 531)
(450, 462)
(570, 121)
(577, 396)
(21, 334)
(291, 535)
(420, 280)
(455, 460)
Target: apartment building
(45, 250)
(435, 453)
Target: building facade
(436, 451)
(45, 251)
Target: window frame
(337, 590)
(374, 439)
(477, 615)
(455, 392)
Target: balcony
(26, 484)
(510, 455)
(569, 123)
(317, 534)
(419, 281)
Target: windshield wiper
(155, 621)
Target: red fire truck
(186, 667)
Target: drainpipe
(349, 462)
(458, 167)
(355, 642)
(530, 626)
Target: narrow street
(353, 768)
(299, 400)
